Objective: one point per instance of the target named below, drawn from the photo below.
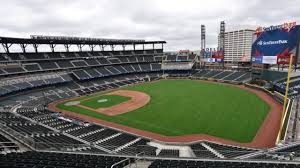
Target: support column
(92, 47)
(52, 46)
(80, 47)
(124, 47)
(102, 47)
(6, 47)
(35, 46)
(134, 47)
(23, 47)
(112, 47)
(67, 47)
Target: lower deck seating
(219, 164)
(118, 141)
(6, 144)
(200, 151)
(288, 150)
(168, 153)
(224, 75)
(229, 151)
(59, 160)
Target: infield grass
(185, 107)
(102, 101)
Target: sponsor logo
(257, 59)
(260, 43)
(286, 26)
(272, 42)
(269, 60)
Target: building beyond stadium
(237, 46)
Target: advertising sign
(273, 44)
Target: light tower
(202, 37)
(222, 36)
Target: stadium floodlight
(71, 38)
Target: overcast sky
(176, 21)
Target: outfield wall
(279, 98)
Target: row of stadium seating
(59, 160)
(43, 138)
(70, 89)
(71, 64)
(214, 150)
(224, 75)
(93, 134)
(218, 164)
(294, 86)
(112, 57)
(66, 55)
(84, 74)
(7, 145)
(168, 153)
(51, 159)
(281, 153)
(65, 64)
(21, 84)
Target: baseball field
(182, 107)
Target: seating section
(294, 86)
(101, 136)
(140, 147)
(17, 85)
(229, 151)
(118, 141)
(43, 138)
(43, 159)
(234, 76)
(223, 75)
(40, 62)
(13, 70)
(219, 164)
(202, 152)
(56, 55)
(85, 74)
(168, 153)
(7, 145)
(114, 82)
(286, 151)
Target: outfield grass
(111, 100)
(184, 107)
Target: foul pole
(285, 96)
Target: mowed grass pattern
(185, 107)
(111, 100)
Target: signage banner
(276, 42)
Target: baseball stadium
(122, 103)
